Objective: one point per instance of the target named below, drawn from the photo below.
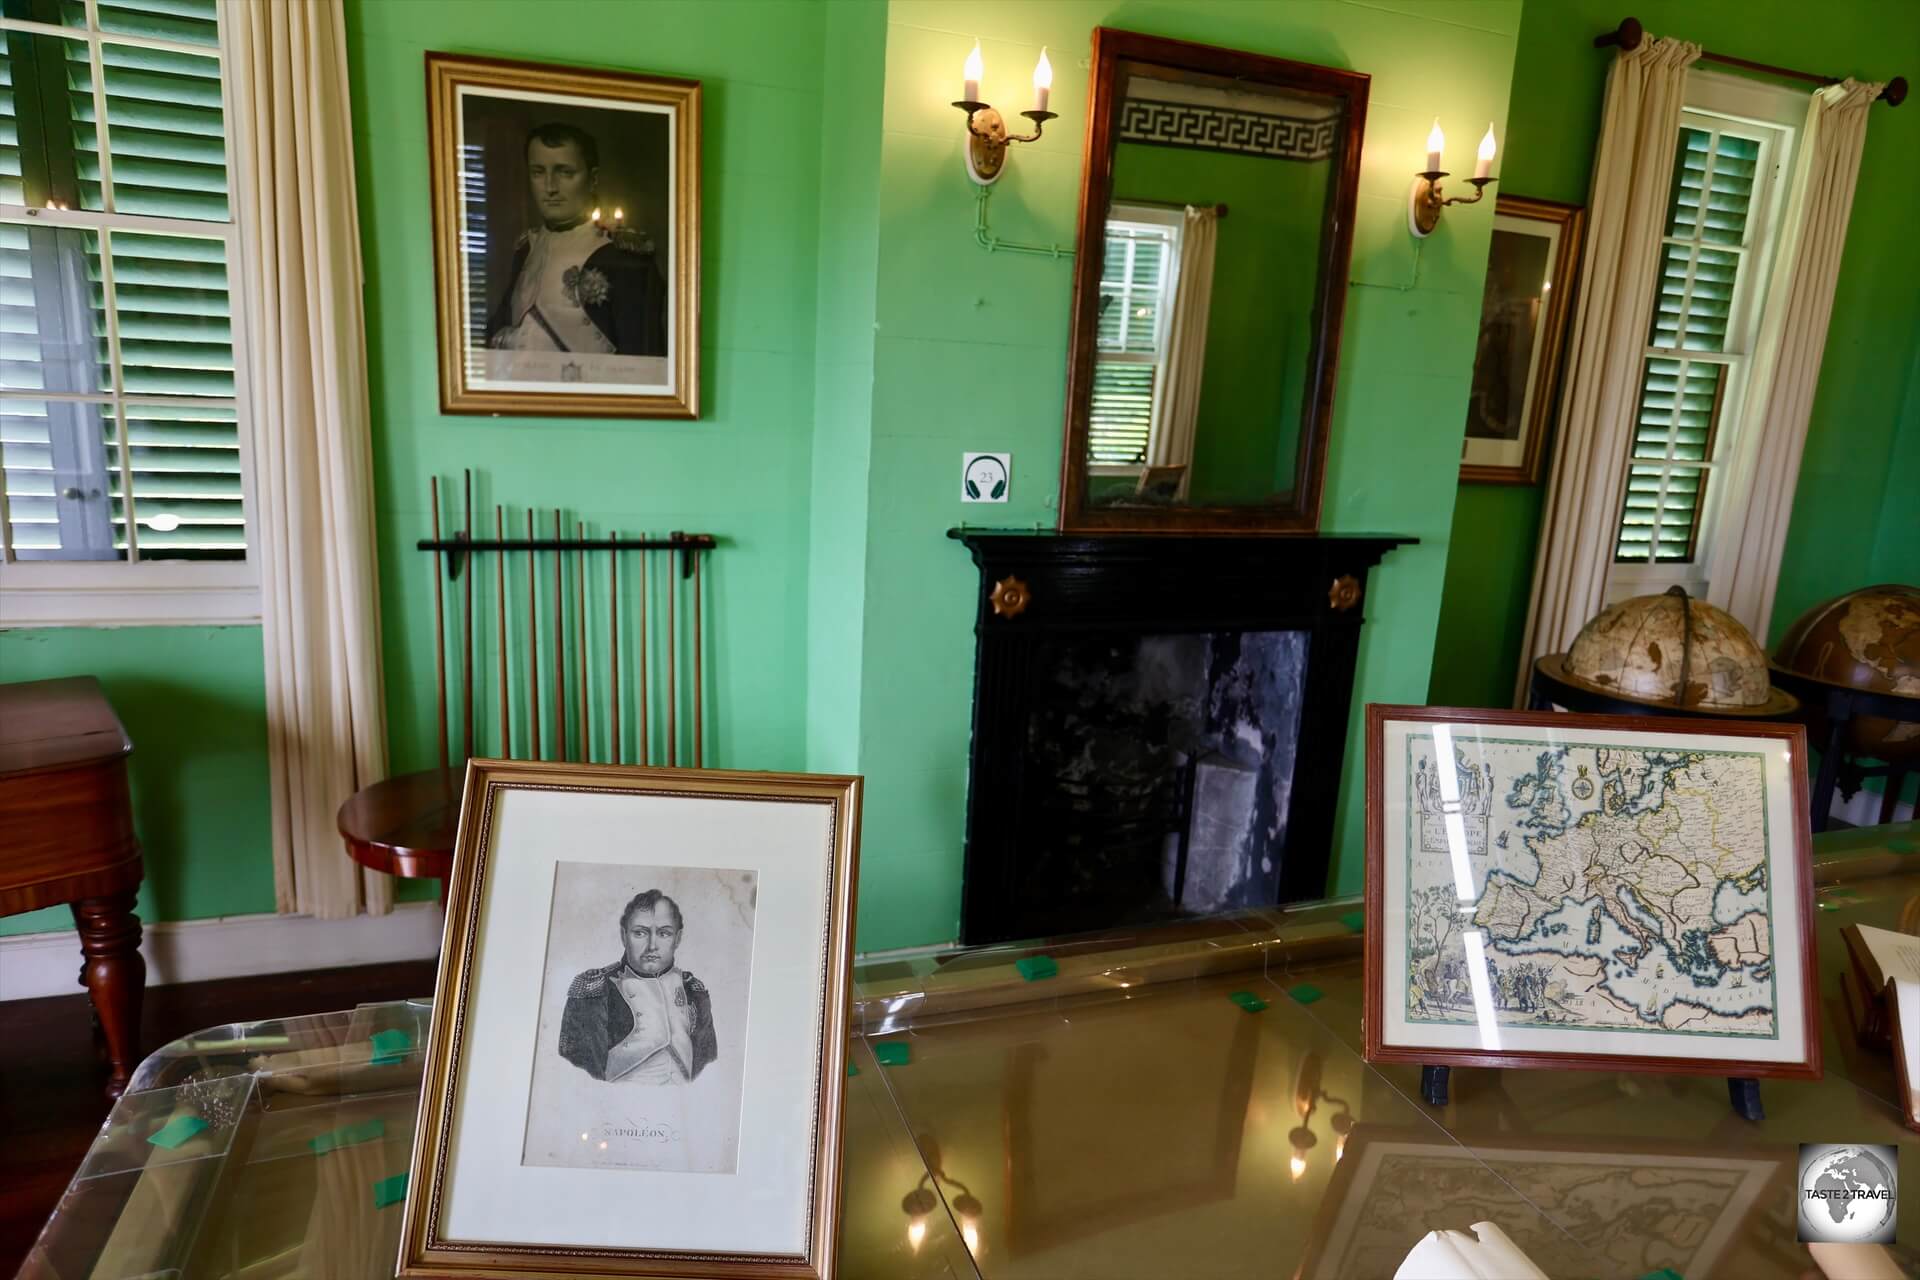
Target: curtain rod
(1629, 34)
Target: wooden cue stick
(646, 725)
(439, 622)
(699, 753)
(673, 643)
(500, 632)
(613, 638)
(580, 635)
(466, 675)
(533, 639)
(559, 643)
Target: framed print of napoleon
(637, 1060)
(566, 216)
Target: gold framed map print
(1594, 892)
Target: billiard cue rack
(650, 614)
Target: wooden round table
(405, 826)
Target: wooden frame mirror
(1216, 225)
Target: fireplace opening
(1163, 769)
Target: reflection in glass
(1207, 314)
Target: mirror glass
(1209, 372)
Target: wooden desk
(66, 835)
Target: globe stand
(1743, 1092)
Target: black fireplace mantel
(1041, 590)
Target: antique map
(1603, 888)
(1599, 1214)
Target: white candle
(1042, 80)
(972, 92)
(1436, 143)
(1484, 165)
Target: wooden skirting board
(44, 964)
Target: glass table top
(1184, 1101)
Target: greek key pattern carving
(1205, 128)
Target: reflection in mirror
(1223, 223)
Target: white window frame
(1773, 115)
(1147, 215)
(88, 593)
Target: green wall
(856, 340)
(971, 355)
(741, 472)
(1849, 525)
(1260, 314)
(193, 699)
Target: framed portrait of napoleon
(637, 1056)
(566, 237)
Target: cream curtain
(1179, 403)
(1632, 169)
(1799, 305)
(305, 369)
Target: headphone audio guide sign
(984, 476)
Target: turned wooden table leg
(116, 977)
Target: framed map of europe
(1599, 892)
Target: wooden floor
(51, 1076)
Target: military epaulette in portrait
(631, 241)
(692, 983)
(590, 983)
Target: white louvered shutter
(124, 325)
(1697, 342)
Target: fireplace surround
(1159, 724)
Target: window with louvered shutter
(1704, 320)
(121, 430)
(1136, 294)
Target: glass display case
(1185, 1100)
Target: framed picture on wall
(1604, 893)
(566, 239)
(637, 1056)
(1532, 269)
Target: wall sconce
(1424, 201)
(987, 135)
(919, 1203)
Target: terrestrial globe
(1638, 649)
(1868, 640)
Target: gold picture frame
(1533, 269)
(624, 339)
(519, 823)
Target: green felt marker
(176, 1131)
(1036, 968)
(390, 1191)
(893, 1053)
(390, 1046)
(1305, 993)
(1356, 921)
(348, 1136)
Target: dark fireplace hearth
(1158, 724)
